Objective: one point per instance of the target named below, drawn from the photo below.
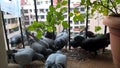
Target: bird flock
(42, 49)
(48, 48)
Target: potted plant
(109, 9)
(54, 17)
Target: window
(41, 2)
(11, 31)
(71, 32)
(31, 16)
(30, 10)
(81, 27)
(25, 11)
(77, 9)
(77, 22)
(46, 10)
(82, 9)
(36, 10)
(46, 2)
(70, 27)
(38, 3)
(5, 21)
(72, 2)
(26, 17)
(42, 16)
(65, 11)
(65, 16)
(88, 27)
(88, 21)
(70, 22)
(8, 21)
(13, 20)
(42, 10)
(26, 23)
(71, 9)
(76, 27)
(7, 31)
(88, 8)
(34, 17)
(38, 16)
(16, 29)
(31, 22)
(82, 22)
(7, 13)
(76, 33)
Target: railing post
(35, 5)
(69, 21)
(86, 29)
(5, 30)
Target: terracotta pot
(114, 26)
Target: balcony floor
(103, 60)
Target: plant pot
(114, 26)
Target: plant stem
(114, 6)
(106, 7)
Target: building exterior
(42, 8)
(12, 26)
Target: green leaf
(58, 22)
(97, 28)
(35, 24)
(56, 13)
(88, 2)
(105, 12)
(65, 24)
(80, 18)
(39, 34)
(62, 17)
(64, 3)
(48, 17)
(31, 28)
(92, 11)
(75, 10)
(49, 28)
(41, 25)
(82, 2)
(71, 14)
(52, 21)
(58, 5)
(75, 19)
(118, 1)
(63, 9)
(52, 8)
(54, 28)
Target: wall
(3, 56)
